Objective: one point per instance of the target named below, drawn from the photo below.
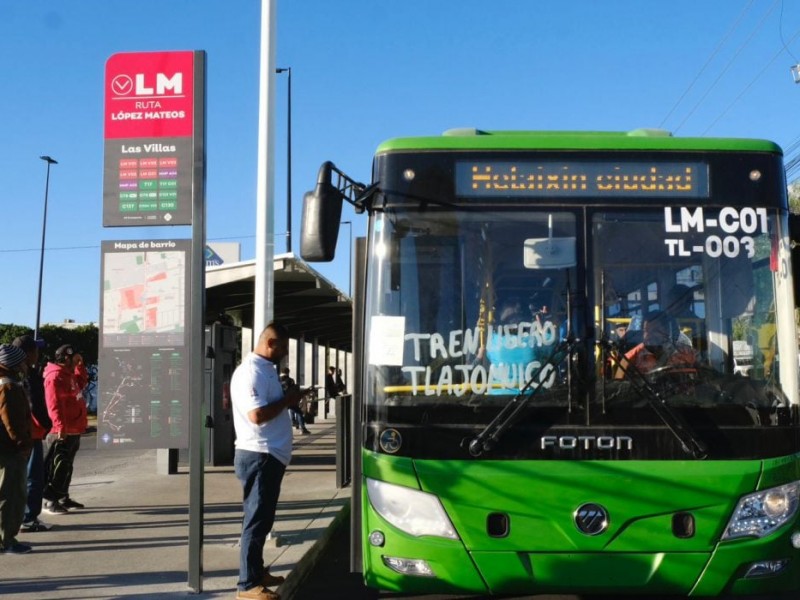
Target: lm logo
(125, 85)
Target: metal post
(350, 259)
(288, 70)
(265, 209)
(197, 312)
(49, 161)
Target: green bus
(549, 333)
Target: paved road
(131, 540)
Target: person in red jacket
(63, 381)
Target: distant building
(219, 253)
(71, 324)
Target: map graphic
(144, 298)
(142, 403)
(145, 342)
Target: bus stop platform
(131, 540)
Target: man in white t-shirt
(263, 450)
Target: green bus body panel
(544, 552)
(591, 573)
(394, 469)
(572, 140)
(455, 571)
(728, 564)
(541, 497)
(779, 471)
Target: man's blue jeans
(35, 482)
(261, 476)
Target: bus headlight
(406, 566)
(415, 512)
(761, 513)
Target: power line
(793, 145)
(780, 30)
(9, 251)
(749, 85)
(728, 66)
(708, 61)
(791, 168)
(13, 250)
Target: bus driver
(658, 348)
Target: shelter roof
(305, 302)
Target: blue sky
(362, 71)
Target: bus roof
(637, 139)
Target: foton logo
(124, 85)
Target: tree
(84, 339)
(794, 197)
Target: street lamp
(350, 258)
(288, 70)
(49, 161)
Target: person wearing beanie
(15, 447)
(63, 381)
(40, 427)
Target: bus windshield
(482, 296)
(466, 307)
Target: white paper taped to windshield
(386, 341)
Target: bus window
(483, 299)
(720, 307)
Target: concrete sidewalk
(131, 540)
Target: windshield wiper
(491, 434)
(673, 420)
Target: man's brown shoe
(257, 593)
(271, 580)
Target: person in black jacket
(34, 386)
(331, 390)
(341, 388)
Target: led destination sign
(551, 178)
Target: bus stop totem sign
(149, 137)
(154, 134)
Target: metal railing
(344, 455)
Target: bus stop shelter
(305, 302)
(317, 314)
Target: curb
(305, 565)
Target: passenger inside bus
(507, 349)
(618, 331)
(510, 312)
(661, 346)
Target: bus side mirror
(322, 212)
